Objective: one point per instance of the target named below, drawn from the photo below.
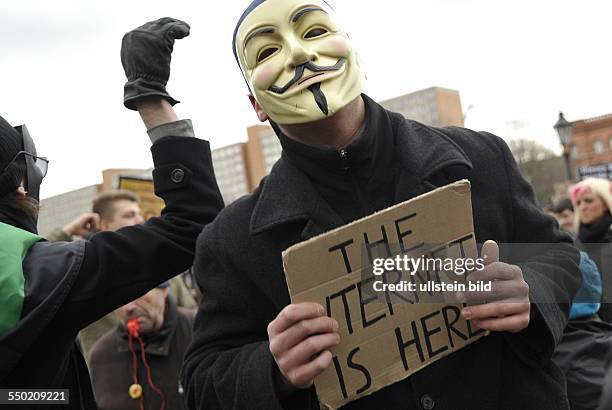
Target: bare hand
(300, 337)
(85, 224)
(506, 307)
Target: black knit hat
(10, 144)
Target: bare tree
(540, 166)
(525, 150)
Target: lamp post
(565, 129)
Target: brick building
(591, 147)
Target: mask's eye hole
(266, 53)
(315, 32)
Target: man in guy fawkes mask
(298, 64)
(51, 290)
(345, 157)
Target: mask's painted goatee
(315, 89)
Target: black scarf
(597, 232)
(362, 181)
(18, 218)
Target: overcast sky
(517, 63)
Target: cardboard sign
(150, 204)
(384, 340)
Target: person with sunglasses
(51, 290)
(24, 169)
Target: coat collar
(287, 195)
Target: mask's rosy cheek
(336, 46)
(263, 76)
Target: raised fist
(145, 54)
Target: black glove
(145, 54)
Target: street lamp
(565, 129)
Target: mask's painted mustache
(320, 98)
(299, 72)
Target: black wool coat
(239, 269)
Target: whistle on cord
(133, 326)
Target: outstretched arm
(119, 266)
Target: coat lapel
(422, 154)
(287, 196)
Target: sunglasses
(41, 163)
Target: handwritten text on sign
(384, 340)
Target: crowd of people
(585, 351)
(249, 347)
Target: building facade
(231, 171)
(434, 106)
(591, 147)
(262, 149)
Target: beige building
(591, 147)
(231, 171)
(262, 150)
(434, 106)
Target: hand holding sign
(300, 337)
(506, 306)
(381, 343)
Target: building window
(610, 142)
(598, 147)
(574, 152)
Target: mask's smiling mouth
(309, 77)
(298, 82)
